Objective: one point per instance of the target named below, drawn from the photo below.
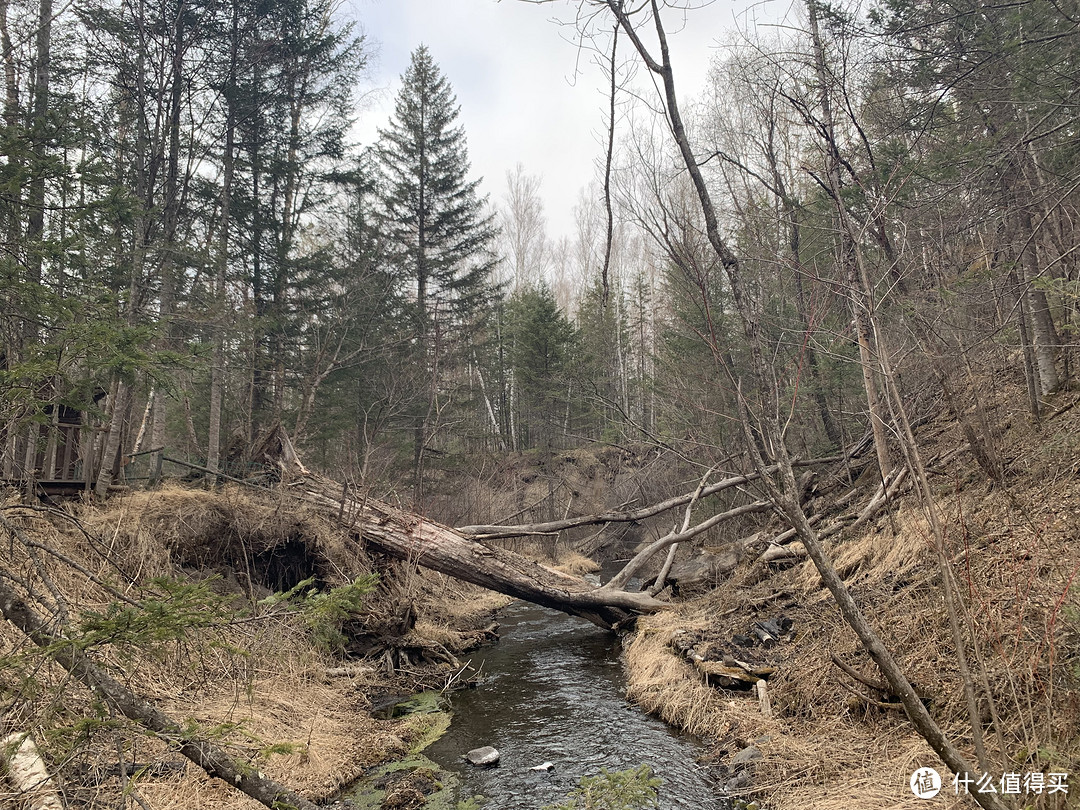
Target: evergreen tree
(541, 346)
(439, 233)
(437, 223)
(603, 332)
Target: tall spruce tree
(437, 222)
(439, 232)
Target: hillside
(171, 592)
(839, 739)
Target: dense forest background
(194, 253)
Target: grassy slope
(1016, 555)
(257, 682)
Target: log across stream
(552, 691)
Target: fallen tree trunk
(462, 554)
(27, 772)
(629, 515)
(439, 548)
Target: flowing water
(552, 691)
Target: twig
(456, 675)
(899, 707)
(1062, 410)
(860, 678)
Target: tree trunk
(171, 220)
(27, 772)
(859, 289)
(439, 548)
(217, 370)
(112, 439)
(1025, 346)
(790, 209)
(1042, 322)
(35, 196)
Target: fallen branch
(628, 516)
(1064, 408)
(774, 553)
(208, 756)
(898, 707)
(643, 556)
(763, 698)
(860, 678)
(673, 549)
(665, 569)
(886, 492)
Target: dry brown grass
(1015, 555)
(821, 749)
(572, 562)
(445, 601)
(157, 530)
(258, 681)
(668, 686)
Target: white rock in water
(546, 766)
(483, 757)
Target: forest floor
(835, 742)
(266, 678)
(267, 681)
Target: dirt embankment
(836, 738)
(287, 687)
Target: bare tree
(759, 426)
(524, 229)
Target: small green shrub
(173, 609)
(325, 612)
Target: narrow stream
(552, 691)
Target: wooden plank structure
(53, 457)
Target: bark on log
(27, 772)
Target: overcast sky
(528, 93)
